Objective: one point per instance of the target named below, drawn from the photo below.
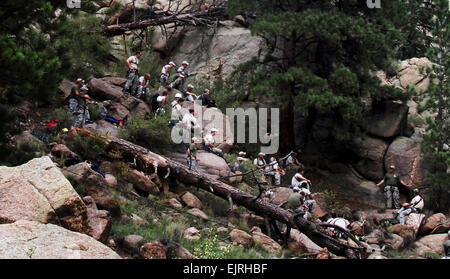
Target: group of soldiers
(138, 85)
(300, 201)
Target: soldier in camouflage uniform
(81, 112)
(391, 192)
(73, 99)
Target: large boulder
(433, 222)
(217, 54)
(408, 74)
(117, 81)
(411, 164)
(134, 105)
(103, 90)
(351, 186)
(267, 242)
(116, 110)
(104, 128)
(100, 222)
(95, 186)
(280, 195)
(29, 239)
(431, 243)
(302, 242)
(65, 88)
(38, 191)
(388, 119)
(370, 152)
(209, 163)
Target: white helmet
(79, 80)
(242, 153)
(296, 189)
(214, 130)
(184, 62)
(178, 95)
(261, 154)
(190, 86)
(272, 159)
(84, 87)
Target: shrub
(91, 148)
(21, 153)
(150, 132)
(64, 117)
(95, 111)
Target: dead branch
(195, 18)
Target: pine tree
(36, 51)
(437, 101)
(326, 53)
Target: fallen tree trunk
(150, 162)
(194, 18)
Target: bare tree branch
(196, 18)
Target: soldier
(415, 206)
(265, 169)
(177, 104)
(190, 122)
(82, 112)
(74, 96)
(161, 100)
(192, 154)
(307, 201)
(300, 181)
(292, 160)
(391, 180)
(206, 99)
(238, 164)
(189, 95)
(144, 85)
(165, 73)
(274, 170)
(132, 74)
(210, 144)
(183, 74)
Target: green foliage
(62, 114)
(35, 53)
(150, 132)
(327, 55)
(22, 152)
(89, 148)
(95, 111)
(209, 248)
(88, 52)
(436, 99)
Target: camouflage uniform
(391, 191)
(77, 107)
